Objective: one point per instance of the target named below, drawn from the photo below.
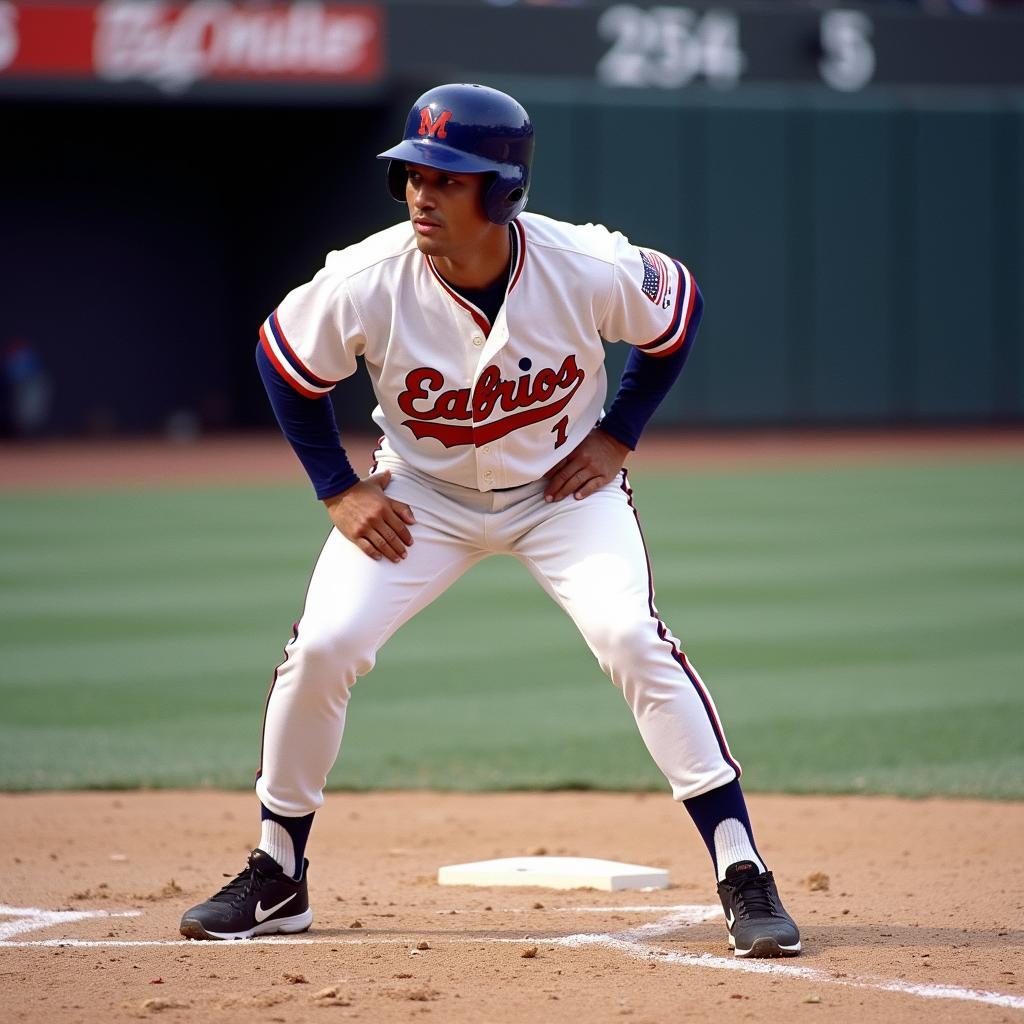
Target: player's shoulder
(392, 246)
(583, 242)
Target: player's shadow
(412, 935)
(708, 937)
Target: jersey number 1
(559, 431)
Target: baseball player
(482, 329)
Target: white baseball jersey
(474, 414)
(486, 406)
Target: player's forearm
(311, 430)
(646, 381)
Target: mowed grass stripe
(860, 630)
(984, 613)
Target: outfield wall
(861, 257)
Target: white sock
(274, 839)
(732, 844)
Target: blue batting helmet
(469, 129)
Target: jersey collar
(515, 272)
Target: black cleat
(261, 900)
(758, 923)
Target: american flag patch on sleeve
(655, 276)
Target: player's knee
(623, 645)
(338, 653)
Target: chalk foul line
(633, 942)
(30, 919)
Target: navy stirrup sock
(724, 825)
(288, 850)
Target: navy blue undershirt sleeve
(646, 380)
(311, 430)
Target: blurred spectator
(27, 390)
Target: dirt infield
(263, 457)
(910, 911)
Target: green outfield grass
(861, 629)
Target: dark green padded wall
(950, 280)
(852, 278)
(862, 258)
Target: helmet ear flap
(397, 178)
(505, 198)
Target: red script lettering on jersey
(519, 398)
(434, 126)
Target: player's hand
(587, 468)
(371, 520)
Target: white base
(555, 873)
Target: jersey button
(488, 475)
(478, 340)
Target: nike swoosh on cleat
(730, 919)
(261, 915)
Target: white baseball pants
(588, 555)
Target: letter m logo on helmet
(434, 127)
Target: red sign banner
(176, 45)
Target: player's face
(446, 210)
